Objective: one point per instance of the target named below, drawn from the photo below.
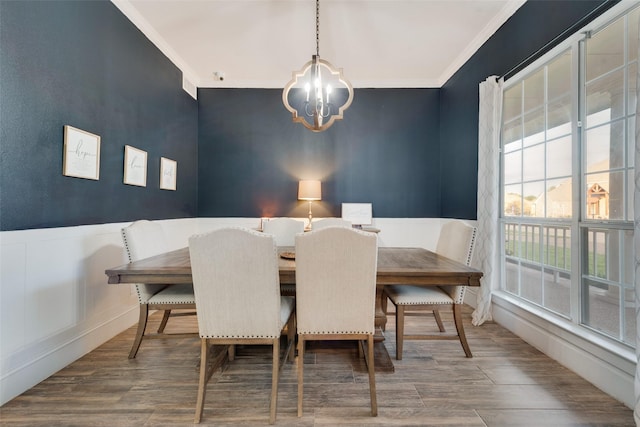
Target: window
(567, 185)
(538, 185)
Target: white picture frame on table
(168, 174)
(81, 157)
(135, 166)
(357, 213)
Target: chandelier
(318, 94)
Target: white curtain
(636, 241)
(488, 194)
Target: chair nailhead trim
(422, 303)
(334, 332)
(240, 336)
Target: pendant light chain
(318, 28)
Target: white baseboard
(29, 374)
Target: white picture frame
(135, 166)
(168, 174)
(81, 157)
(357, 213)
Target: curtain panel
(636, 244)
(487, 257)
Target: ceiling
(259, 43)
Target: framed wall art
(168, 173)
(135, 166)
(81, 157)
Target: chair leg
(274, 381)
(202, 386)
(142, 325)
(436, 314)
(457, 317)
(163, 322)
(399, 330)
(372, 377)
(300, 373)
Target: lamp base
(310, 217)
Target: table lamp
(309, 190)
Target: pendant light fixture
(318, 94)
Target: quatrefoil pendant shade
(317, 95)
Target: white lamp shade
(309, 190)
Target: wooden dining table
(396, 266)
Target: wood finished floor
(506, 383)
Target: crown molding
(505, 13)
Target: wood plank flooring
(506, 383)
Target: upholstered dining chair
(335, 293)
(237, 290)
(331, 222)
(144, 239)
(284, 231)
(456, 241)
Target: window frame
(578, 223)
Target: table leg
(380, 322)
(382, 359)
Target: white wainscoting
(56, 306)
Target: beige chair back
(457, 241)
(283, 230)
(331, 222)
(236, 284)
(143, 239)
(336, 281)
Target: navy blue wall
(86, 65)
(532, 27)
(410, 152)
(385, 151)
